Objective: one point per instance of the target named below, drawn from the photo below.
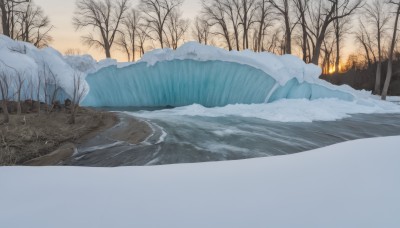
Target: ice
(210, 76)
(210, 83)
(193, 74)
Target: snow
(196, 73)
(353, 184)
(286, 110)
(395, 99)
(193, 74)
(28, 60)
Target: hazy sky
(65, 36)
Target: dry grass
(30, 136)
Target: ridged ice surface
(185, 82)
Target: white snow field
(353, 184)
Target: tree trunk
(107, 49)
(4, 19)
(304, 46)
(160, 35)
(378, 79)
(367, 53)
(74, 108)
(318, 44)
(317, 51)
(389, 70)
(5, 112)
(387, 81)
(38, 98)
(236, 38)
(288, 41)
(133, 50)
(379, 67)
(19, 109)
(337, 62)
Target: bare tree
(301, 9)
(49, 86)
(157, 13)
(263, 12)
(79, 91)
(376, 14)
(175, 29)
(327, 50)
(283, 8)
(34, 26)
(143, 36)
(128, 38)
(40, 78)
(361, 37)
(341, 29)
(201, 30)
(4, 89)
(73, 51)
(246, 12)
(273, 44)
(19, 83)
(9, 10)
(390, 60)
(104, 16)
(214, 11)
(23, 20)
(323, 14)
(231, 9)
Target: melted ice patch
(302, 110)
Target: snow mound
(352, 184)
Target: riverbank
(32, 136)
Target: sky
(65, 36)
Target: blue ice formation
(181, 82)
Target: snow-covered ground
(353, 184)
(393, 99)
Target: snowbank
(353, 184)
(285, 110)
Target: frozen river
(189, 139)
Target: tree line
(25, 21)
(315, 30)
